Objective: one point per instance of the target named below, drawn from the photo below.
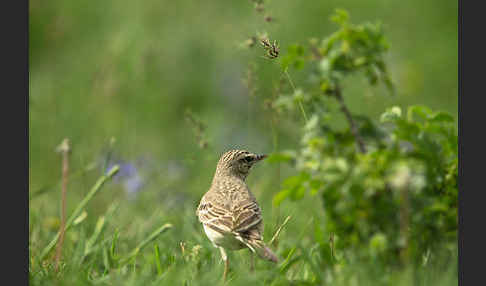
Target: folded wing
(239, 219)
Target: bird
(229, 212)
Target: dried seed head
(266, 43)
(64, 147)
(183, 247)
(268, 18)
(272, 49)
(250, 42)
(259, 7)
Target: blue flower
(128, 175)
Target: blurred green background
(130, 69)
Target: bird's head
(237, 163)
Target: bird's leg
(226, 262)
(252, 261)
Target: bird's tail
(263, 251)
(255, 243)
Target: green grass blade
(98, 229)
(106, 259)
(157, 259)
(113, 244)
(283, 266)
(97, 246)
(275, 236)
(308, 259)
(94, 190)
(289, 263)
(146, 241)
(102, 221)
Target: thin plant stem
(331, 245)
(293, 88)
(275, 236)
(404, 213)
(287, 260)
(64, 149)
(94, 190)
(146, 241)
(275, 142)
(349, 117)
(109, 154)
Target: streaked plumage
(229, 212)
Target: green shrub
(389, 188)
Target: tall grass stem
(94, 190)
(293, 88)
(64, 149)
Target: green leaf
(340, 17)
(420, 110)
(441, 117)
(407, 130)
(438, 207)
(389, 84)
(325, 86)
(293, 188)
(296, 50)
(297, 193)
(280, 197)
(299, 64)
(285, 61)
(359, 61)
(378, 243)
(315, 186)
(294, 181)
(318, 233)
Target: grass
(96, 188)
(171, 249)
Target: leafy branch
(376, 180)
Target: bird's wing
(249, 229)
(243, 220)
(247, 214)
(214, 216)
(243, 216)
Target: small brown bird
(229, 212)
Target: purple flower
(128, 175)
(133, 184)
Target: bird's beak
(261, 157)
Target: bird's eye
(247, 159)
